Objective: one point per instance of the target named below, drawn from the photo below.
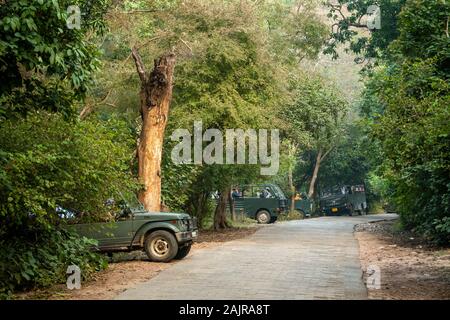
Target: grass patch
(292, 215)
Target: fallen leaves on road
(410, 269)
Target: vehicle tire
(161, 246)
(183, 252)
(263, 217)
(301, 213)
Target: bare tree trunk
(232, 209)
(292, 187)
(220, 218)
(156, 94)
(320, 157)
(312, 185)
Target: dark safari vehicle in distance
(302, 204)
(163, 236)
(262, 202)
(346, 200)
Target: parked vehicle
(302, 205)
(163, 236)
(347, 200)
(262, 202)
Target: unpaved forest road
(309, 259)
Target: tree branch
(446, 30)
(326, 154)
(88, 108)
(185, 43)
(139, 11)
(139, 65)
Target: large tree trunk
(220, 217)
(156, 94)
(312, 185)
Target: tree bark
(320, 157)
(312, 185)
(156, 95)
(220, 219)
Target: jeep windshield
(278, 192)
(131, 200)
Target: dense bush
(40, 258)
(406, 103)
(44, 64)
(47, 162)
(415, 135)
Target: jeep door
(109, 235)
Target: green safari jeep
(262, 202)
(304, 206)
(163, 236)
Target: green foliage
(316, 115)
(46, 161)
(40, 258)
(232, 66)
(295, 30)
(295, 215)
(407, 105)
(314, 121)
(43, 63)
(177, 185)
(424, 33)
(348, 163)
(226, 75)
(414, 131)
(350, 16)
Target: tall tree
(156, 95)
(317, 118)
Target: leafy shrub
(291, 215)
(414, 132)
(39, 259)
(46, 161)
(44, 64)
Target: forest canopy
(76, 104)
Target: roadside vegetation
(405, 109)
(73, 113)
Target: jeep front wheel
(161, 246)
(183, 252)
(263, 217)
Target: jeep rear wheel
(161, 246)
(263, 217)
(183, 252)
